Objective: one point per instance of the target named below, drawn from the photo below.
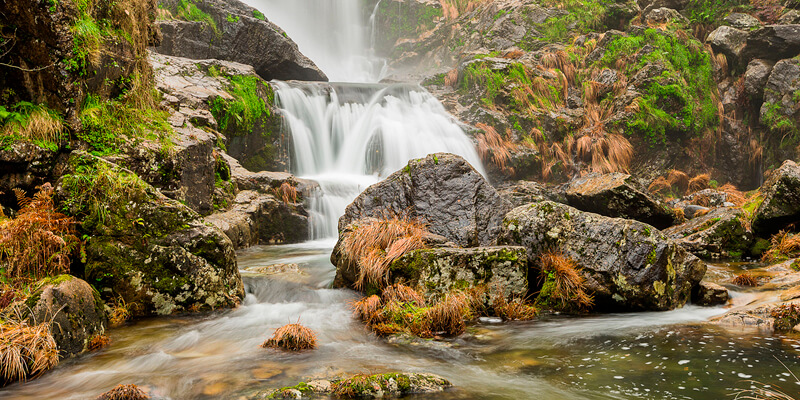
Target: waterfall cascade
(347, 136)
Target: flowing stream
(347, 136)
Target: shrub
(40, 241)
(26, 351)
(563, 287)
(293, 337)
(124, 392)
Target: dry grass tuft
(368, 309)
(120, 312)
(563, 284)
(761, 391)
(451, 78)
(39, 242)
(514, 310)
(39, 124)
(783, 245)
(733, 194)
(448, 315)
(698, 183)
(98, 342)
(678, 180)
(494, 148)
(26, 351)
(659, 185)
(294, 337)
(745, 279)
(513, 54)
(403, 294)
(680, 216)
(374, 245)
(124, 392)
(286, 192)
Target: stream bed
(654, 355)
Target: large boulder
(617, 195)
(729, 41)
(781, 108)
(237, 34)
(442, 190)
(72, 307)
(742, 21)
(523, 192)
(152, 251)
(781, 204)
(755, 78)
(628, 265)
(647, 5)
(720, 233)
(772, 42)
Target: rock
(617, 195)
(745, 22)
(665, 15)
(721, 233)
(781, 205)
(703, 198)
(691, 211)
(433, 272)
(443, 191)
(755, 78)
(752, 317)
(709, 294)
(237, 36)
(257, 218)
(781, 108)
(25, 166)
(369, 386)
(791, 17)
(523, 192)
(73, 306)
(628, 264)
(150, 250)
(648, 5)
(773, 42)
(729, 41)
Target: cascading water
(346, 136)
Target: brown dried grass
(292, 337)
(124, 392)
(568, 289)
(449, 314)
(745, 279)
(403, 294)
(26, 351)
(679, 180)
(120, 312)
(783, 245)
(368, 309)
(451, 78)
(39, 242)
(699, 182)
(287, 193)
(98, 342)
(733, 194)
(494, 148)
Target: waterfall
(347, 136)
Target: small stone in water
(681, 362)
(490, 320)
(745, 376)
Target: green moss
(259, 15)
(15, 125)
(399, 20)
(582, 16)
(232, 18)
(249, 106)
(107, 124)
(188, 11)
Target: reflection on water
(667, 355)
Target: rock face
(25, 166)
(442, 190)
(665, 15)
(781, 108)
(721, 233)
(755, 78)
(742, 21)
(628, 265)
(433, 272)
(617, 195)
(75, 308)
(152, 251)
(773, 42)
(236, 35)
(647, 5)
(781, 205)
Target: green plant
(783, 246)
(232, 18)
(188, 11)
(247, 106)
(259, 15)
(107, 123)
(36, 123)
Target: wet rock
(617, 195)
(433, 272)
(781, 205)
(691, 211)
(257, 218)
(729, 41)
(648, 5)
(665, 15)
(74, 308)
(628, 264)
(709, 294)
(721, 233)
(368, 386)
(703, 198)
(237, 35)
(151, 250)
(752, 317)
(523, 192)
(789, 18)
(745, 22)
(781, 109)
(755, 78)
(773, 42)
(442, 190)
(25, 166)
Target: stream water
(347, 136)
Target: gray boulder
(755, 78)
(790, 17)
(781, 205)
(236, 35)
(523, 192)
(721, 233)
(709, 294)
(74, 309)
(628, 265)
(648, 5)
(665, 15)
(773, 42)
(443, 191)
(617, 195)
(781, 108)
(742, 21)
(729, 41)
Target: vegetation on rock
(293, 337)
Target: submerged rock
(627, 264)
(442, 190)
(74, 310)
(617, 195)
(781, 205)
(720, 233)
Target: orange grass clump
(733, 194)
(124, 392)
(563, 284)
(448, 314)
(287, 193)
(782, 246)
(745, 279)
(403, 294)
(26, 351)
(293, 337)
(493, 147)
(98, 342)
(698, 183)
(39, 242)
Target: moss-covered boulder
(152, 251)
(617, 195)
(720, 233)
(628, 265)
(364, 386)
(781, 204)
(780, 111)
(73, 308)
